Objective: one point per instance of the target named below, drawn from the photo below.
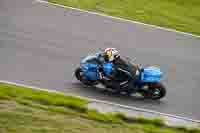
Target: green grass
(26, 110)
(23, 94)
(182, 15)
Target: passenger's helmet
(111, 54)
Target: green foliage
(182, 15)
(70, 106)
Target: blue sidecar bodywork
(151, 74)
(90, 68)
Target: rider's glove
(100, 69)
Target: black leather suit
(123, 73)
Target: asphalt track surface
(41, 45)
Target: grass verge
(27, 110)
(182, 15)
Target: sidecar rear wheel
(155, 91)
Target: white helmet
(111, 53)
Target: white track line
(121, 19)
(104, 102)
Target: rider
(122, 71)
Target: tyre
(78, 75)
(155, 91)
